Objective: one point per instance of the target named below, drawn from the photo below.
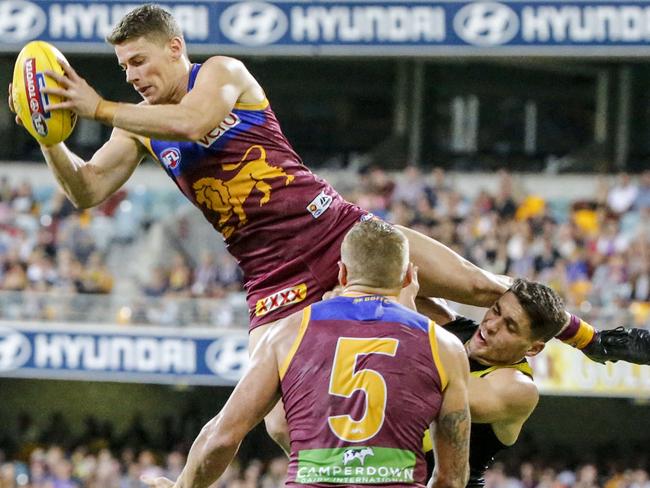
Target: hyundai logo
(486, 23)
(15, 349)
(253, 23)
(227, 358)
(20, 21)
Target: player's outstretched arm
(221, 82)
(452, 429)
(88, 183)
(445, 274)
(255, 395)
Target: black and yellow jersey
(484, 444)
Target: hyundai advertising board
(418, 28)
(123, 354)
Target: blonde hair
(376, 254)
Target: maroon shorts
(302, 280)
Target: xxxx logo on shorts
(282, 298)
(227, 197)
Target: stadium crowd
(49, 452)
(595, 252)
(46, 245)
(98, 467)
(52, 467)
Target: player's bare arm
(255, 395)
(88, 183)
(215, 447)
(222, 80)
(504, 398)
(452, 430)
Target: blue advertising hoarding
(356, 28)
(124, 354)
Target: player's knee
(278, 430)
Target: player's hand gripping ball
(30, 102)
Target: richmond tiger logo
(227, 198)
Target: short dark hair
(150, 21)
(543, 306)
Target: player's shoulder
(517, 390)
(448, 341)
(452, 352)
(224, 63)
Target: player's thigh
(431, 258)
(256, 335)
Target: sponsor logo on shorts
(368, 216)
(171, 157)
(288, 296)
(359, 465)
(319, 204)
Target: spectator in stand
(439, 187)
(180, 276)
(205, 275)
(276, 473)
(505, 203)
(158, 284)
(95, 277)
(622, 195)
(587, 477)
(411, 187)
(229, 275)
(642, 201)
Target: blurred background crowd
(48, 452)
(595, 251)
(97, 467)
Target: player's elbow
(190, 126)
(183, 130)
(83, 201)
(192, 132)
(217, 439)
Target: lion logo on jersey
(350, 455)
(227, 198)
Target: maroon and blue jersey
(361, 383)
(277, 218)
